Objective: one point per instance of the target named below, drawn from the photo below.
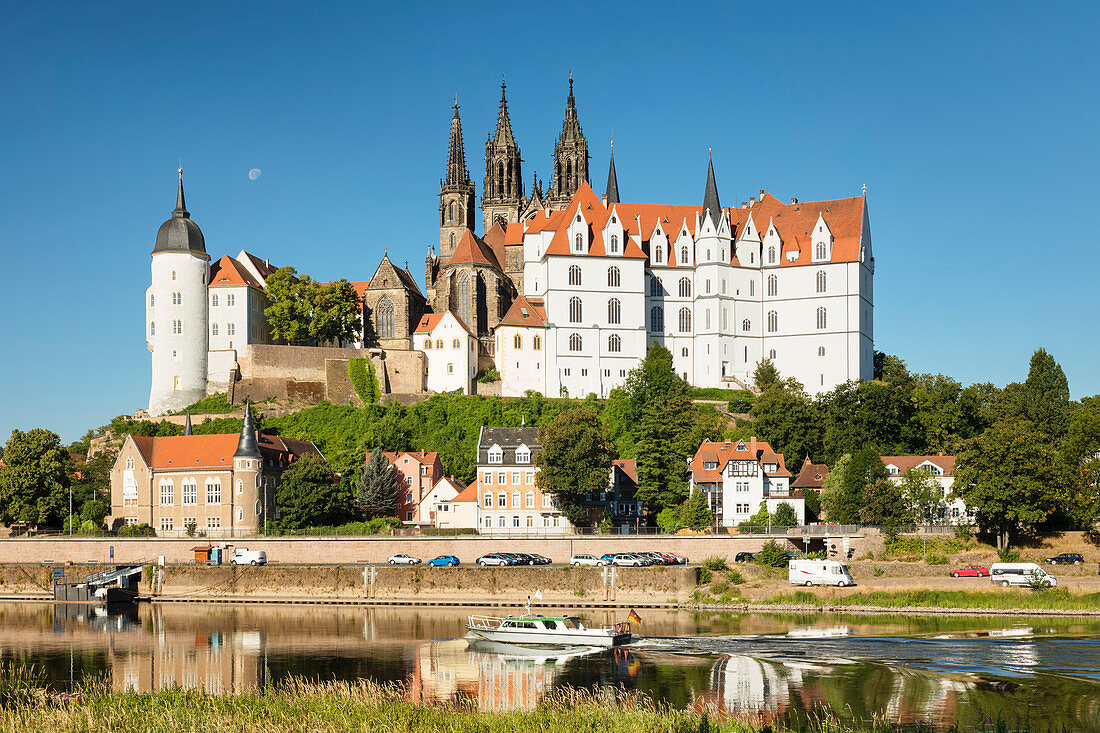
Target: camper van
(819, 572)
(1019, 573)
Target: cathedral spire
(710, 196)
(457, 174)
(570, 156)
(612, 195)
(247, 446)
(502, 192)
(504, 134)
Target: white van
(1019, 573)
(245, 556)
(819, 572)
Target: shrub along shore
(301, 705)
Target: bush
(668, 519)
(878, 571)
(488, 376)
(1008, 554)
(772, 555)
(715, 562)
(742, 402)
(363, 379)
(735, 577)
(137, 530)
(214, 404)
(934, 558)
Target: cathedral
(562, 292)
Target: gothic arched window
(614, 311)
(462, 293)
(613, 278)
(385, 318)
(454, 211)
(773, 321)
(614, 343)
(655, 287)
(771, 255)
(579, 243)
(575, 342)
(821, 351)
(685, 320)
(771, 354)
(773, 285)
(574, 274)
(684, 255)
(657, 319)
(685, 287)
(821, 281)
(746, 325)
(821, 318)
(575, 310)
(517, 341)
(614, 244)
(819, 251)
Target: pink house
(418, 473)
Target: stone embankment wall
(373, 549)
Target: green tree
(784, 515)
(695, 513)
(882, 413)
(1081, 449)
(575, 460)
(923, 495)
(666, 439)
(884, 504)
(35, 478)
(786, 417)
(1013, 477)
(765, 374)
(91, 487)
(842, 494)
(310, 495)
(773, 555)
(290, 312)
(1047, 402)
(761, 519)
(812, 500)
(336, 313)
(376, 487)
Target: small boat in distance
(544, 630)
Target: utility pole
(70, 510)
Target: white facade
(521, 349)
(436, 506)
(450, 351)
(737, 477)
(175, 330)
(792, 283)
(942, 470)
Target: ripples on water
(1038, 674)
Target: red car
(971, 571)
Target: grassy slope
(1055, 599)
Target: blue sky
(972, 125)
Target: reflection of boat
(544, 630)
(532, 654)
(820, 632)
(1019, 631)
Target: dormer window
(496, 454)
(579, 243)
(523, 454)
(710, 465)
(684, 255)
(892, 470)
(657, 254)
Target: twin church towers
(503, 197)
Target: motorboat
(545, 630)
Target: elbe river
(1032, 673)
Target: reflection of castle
(740, 684)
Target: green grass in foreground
(1053, 599)
(298, 705)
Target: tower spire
(612, 195)
(570, 156)
(247, 446)
(502, 191)
(187, 425)
(180, 211)
(710, 196)
(457, 174)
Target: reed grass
(1056, 599)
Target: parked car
(578, 560)
(627, 559)
(444, 560)
(540, 559)
(1066, 558)
(744, 557)
(659, 558)
(495, 558)
(1020, 573)
(521, 558)
(402, 559)
(245, 556)
(971, 571)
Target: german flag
(634, 618)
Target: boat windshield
(570, 623)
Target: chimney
(604, 198)
(744, 204)
(761, 194)
(752, 201)
(752, 445)
(794, 200)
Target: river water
(1033, 673)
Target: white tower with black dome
(176, 308)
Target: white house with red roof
(418, 472)
(738, 476)
(941, 469)
(436, 508)
(450, 350)
(521, 347)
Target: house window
(821, 351)
(230, 299)
(502, 478)
(821, 281)
(523, 455)
(746, 325)
(167, 493)
(408, 497)
(657, 318)
(575, 342)
(165, 524)
(821, 318)
(177, 299)
(657, 254)
(450, 368)
(685, 287)
(130, 462)
(515, 499)
(456, 343)
(177, 326)
(517, 341)
(773, 321)
(152, 328)
(213, 522)
(654, 287)
(488, 522)
(213, 492)
(213, 329)
(771, 354)
(819, 251)
(529, 500)
(150, 300)
(173, 274)
(515, 478)
(536, 342)
(771, 255)
(614, 311)
(684, 255)
(515, 521)
(706, 286)
(547, 501)
(614, 244)
(530, 478)
(574, 275)
(613, 277)
(488, 501)
(752, 288)
(576, 311)
(190, 493)
(439, 343)
(385, 318)
(684, 352)
(530, 521)
(230, 329)
(773, 285)
(427, 344)
(502, 499)
(240, 486)
(578, 243)
(685, 320)
(614, 343)
(496, 455)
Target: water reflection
(777, 667)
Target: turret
(248, 497)
(176, 324)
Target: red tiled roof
(468, 494)
(473, 250)
(227, 272)
(429, 321)
(904, 463)
(264, 268)
(629, 467)
(212, 451)
(496, 238)
(811, 475)
(724, 452)
(428, 457)
(535, 316)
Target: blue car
(444, 560)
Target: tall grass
(1053, 599)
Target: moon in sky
(254, 174)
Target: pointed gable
(525, 313)
(473, 250)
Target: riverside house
(737, 476)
